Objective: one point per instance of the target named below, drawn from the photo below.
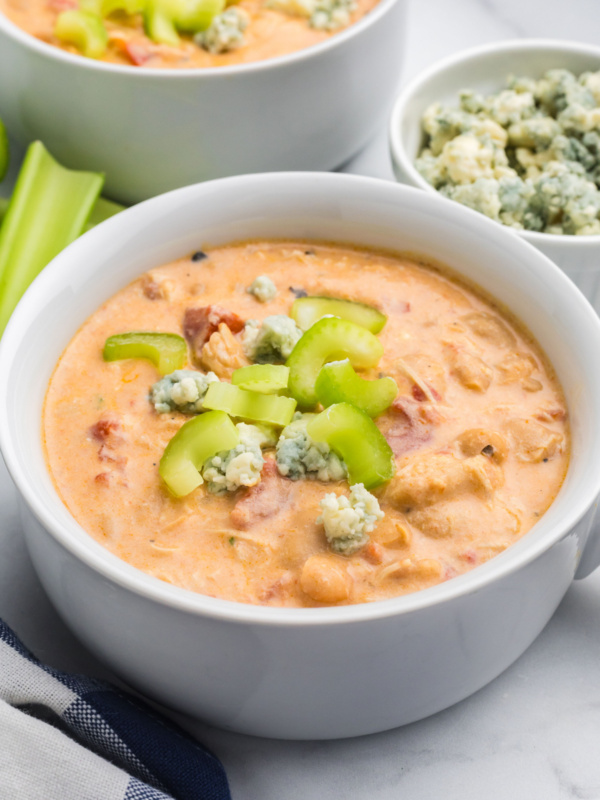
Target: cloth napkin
(68, 737)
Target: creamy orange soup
(269, 33)
(478, 430)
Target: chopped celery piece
(83, 29)
(104, 8)
(328, 340)
(307, 310)
(196, 15)
(337, 382)
(355, 438)
(108, 7)
(103, 209)
(250, 405)
(264, 378)
(91, 6)
(163, 18)
(199, 439)
(167, 351)
(48, 210)
(4, 151)
(159, 22)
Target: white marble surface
(534, 733)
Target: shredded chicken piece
(223, 353)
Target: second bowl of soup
(292, 97)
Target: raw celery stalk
(3, 207)
(103, 209)
(4, 152)
(48, 210)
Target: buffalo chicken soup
(183, 34)
(299, 424)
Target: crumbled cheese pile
(528, 157)
(324, 15)
(349, 520)
(225, 32)
(298, 456)
(263, 289)
(242, 465)
(272, 340)
(182, 390)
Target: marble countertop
(532, 734)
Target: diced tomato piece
(264, 500)
(199, 324)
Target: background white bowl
(303, 673)
(485, 69)
(151, 130)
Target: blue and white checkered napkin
(67, 737)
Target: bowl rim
(94, 556)
(52, 52)
(475, 54)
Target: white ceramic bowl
(485, 69)
(152, 130)
(303, 673)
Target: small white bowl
(152, 130)
(485, 70)
(314, 672)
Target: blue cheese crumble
(298, 456)
(263, 289)
(329, 15)
(225, 32)
(242, 465)
(183, 390)
(349, 520)
(272, 340)
(323, 15)
(528, 156)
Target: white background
(534, 733)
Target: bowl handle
(590, 558)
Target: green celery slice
(103, 209)
(196, 15)
(337, 382)
(356, 439)
(263, 378)
(104, 8)
(167, 351)
(4, 150)
(328, 339)
(197, 440)
(253, 406)
(83, 29)
(159, 22)
(164, 18)
(307, 310)
(131, 7)
(48, 210)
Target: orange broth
(479, 431)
